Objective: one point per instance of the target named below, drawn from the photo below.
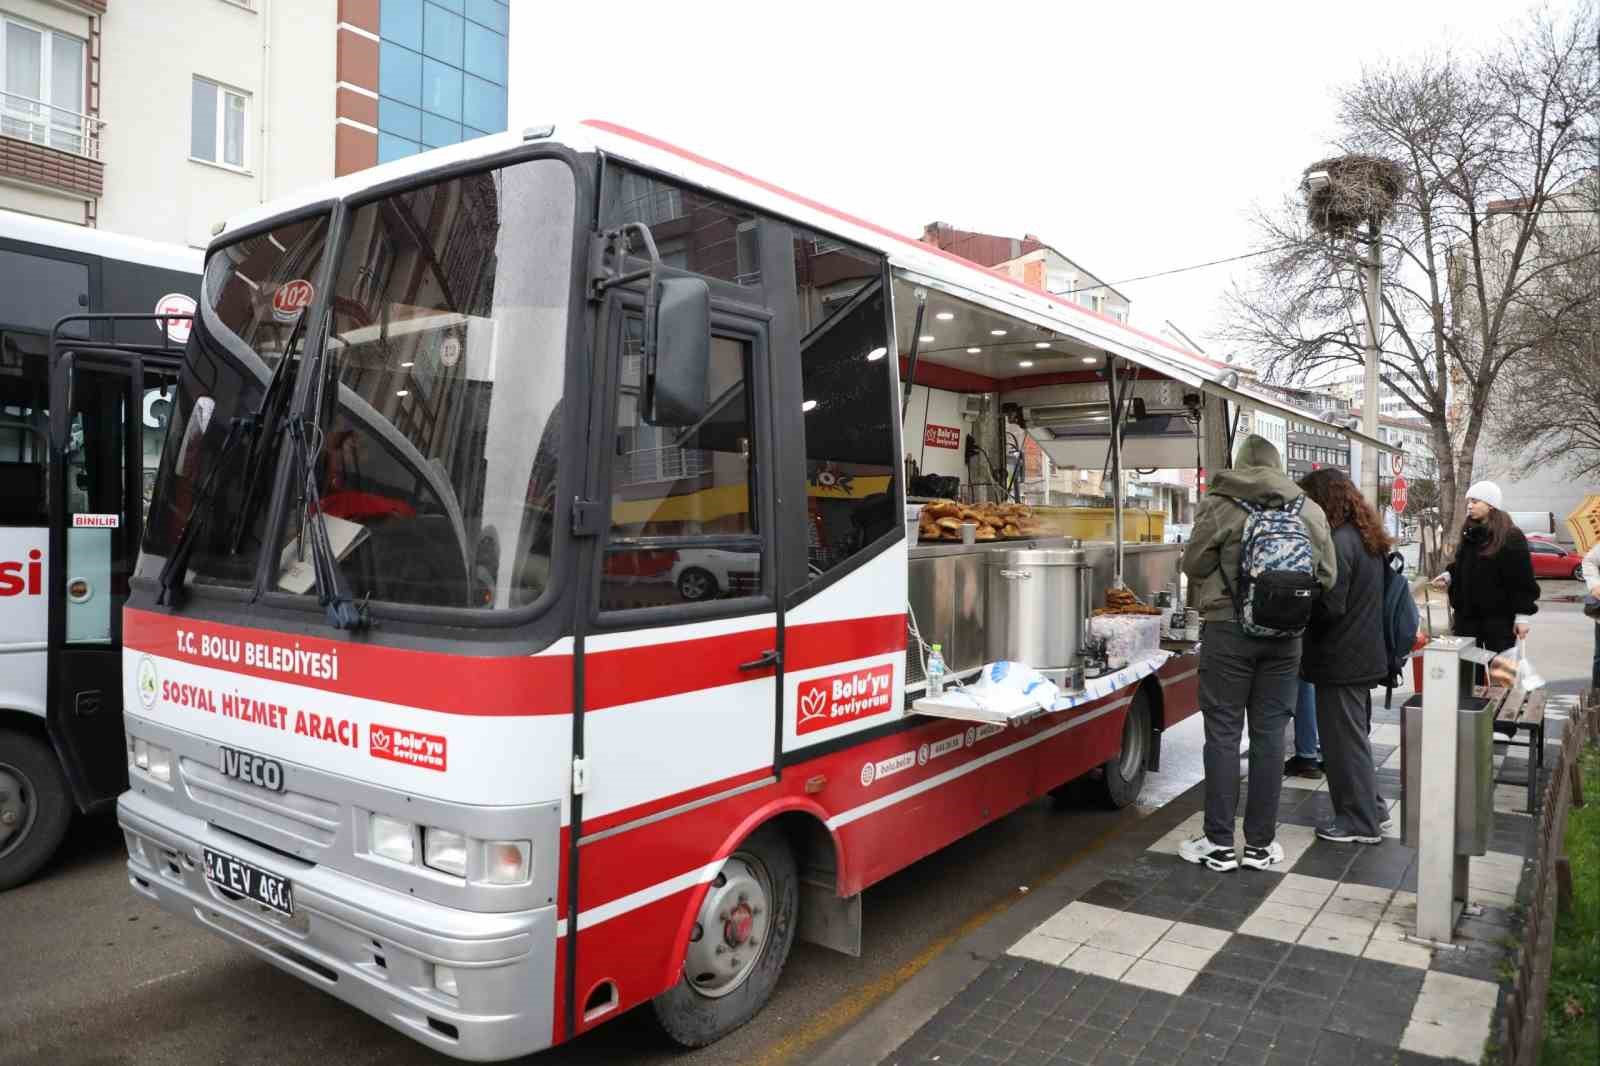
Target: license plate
(242, 879)
(252, 769)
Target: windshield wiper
(257, 425)
(333, 591)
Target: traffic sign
(1397, 463)
(1397, 495)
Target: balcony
(51, 146)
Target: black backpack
(1400, 622)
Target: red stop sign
(1397, 495)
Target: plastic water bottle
(935, 671)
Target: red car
(1552, 560)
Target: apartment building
(1032, 261)
(160, 127)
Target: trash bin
(1474, 773)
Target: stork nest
(1361, 189)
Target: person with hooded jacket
(1243, 677)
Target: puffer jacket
(1213, 548)
(1490, 595)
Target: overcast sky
(1134, 137)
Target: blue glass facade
(441, 73)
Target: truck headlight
(392, 838)
(153, 759)
(444, 851)
(506, 862)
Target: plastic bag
(1007, 685)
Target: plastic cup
(969, 532)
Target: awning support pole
(1116, 468)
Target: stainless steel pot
(1035, 606)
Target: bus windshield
(442, 386)
(440, 396)
(252, 295)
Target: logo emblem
(972, 736)
(868, 772)
(381, 738)
(450, 351)
(148, 683)
(812, 705)
(291, 298)
(922, 755)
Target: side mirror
(675, 383)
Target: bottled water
(935, 671)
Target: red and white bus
(521, 631)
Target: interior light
(1041, 344)
(1100, 418)
(926, 338)
(1026, 362)
(408, 363)
(808, 406)
(876, 354)
(1088, 359)
(974, 351)
(402, 392)
(945, 316)
(997, 333)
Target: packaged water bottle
(935, 671)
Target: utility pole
(1369, 403)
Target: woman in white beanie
(1492, 588)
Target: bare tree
(1547, 413)
(1486, 143)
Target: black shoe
(1300, 766)
(1339, 834)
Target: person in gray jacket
(1345, 655)
(1244, 677)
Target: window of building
(1060, 281)
(218, 119)
(43, 78)
(447, 61)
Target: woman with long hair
(1493, 592)
(1344, 656)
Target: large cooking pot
(1035, 606)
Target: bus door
(107, 422)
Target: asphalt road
(92, 974)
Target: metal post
(1441, 873)
(1112, 376)
(1369, 403)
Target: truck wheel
(1122, 777)
(35, 807)
(738, 946)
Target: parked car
(1552, 560)
(707, 573)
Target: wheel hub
(739, 903)
(15, 811)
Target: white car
(707, 573)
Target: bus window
(24, 432)
(37, 291)
(683, 513)
(844, 368)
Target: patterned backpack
(1277, 585)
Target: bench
(1525, 721)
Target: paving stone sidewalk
(1307, 963)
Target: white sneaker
(1261, 858)
(1200, 849)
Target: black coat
(1488, 594)
(1344, 645)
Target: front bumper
(370, 946)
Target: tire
(1577, 572)
(696, 584)
(35, 802)
(1122, 776)
(704, 1007)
